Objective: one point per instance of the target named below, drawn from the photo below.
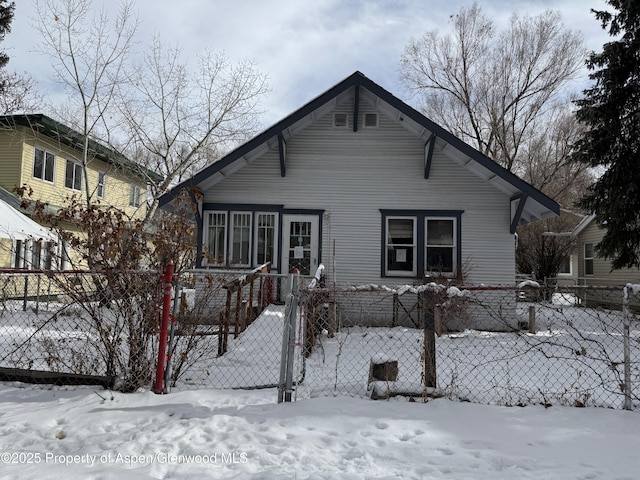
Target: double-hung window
(440, 244)
(401, 246)
(266, 230)
(102, 181)
(134, 196)
(73, 175)
(241, 239)
(216, 228)
(420, 242)
(43, 165)
(588, 258)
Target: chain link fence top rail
(79, 328)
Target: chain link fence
(494, 345)
(531, 344)
(79, 328)
(228, 330)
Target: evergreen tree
(611, 112)
(6, 17)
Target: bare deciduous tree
(508, 94)
(489, 88)
(178, 121)
(18, 93)
(88, 56)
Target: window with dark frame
(401, 246)
(440, 245)
(241, 239)
(420, 242)
(216, 234)
(266, 231)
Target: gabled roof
(582, 225)
(527, 203)
(72, 138)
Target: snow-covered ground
(244, 435)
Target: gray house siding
(351, 176)
(602, 274)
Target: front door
(300, 243)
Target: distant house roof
(527, 202)
(72, 138)
(583, 224)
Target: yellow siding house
(45, 155)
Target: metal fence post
(627, 349)
(292, 336)
(285, 385)
(172, 336)
(167, 287)
(426, 300)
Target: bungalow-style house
(361, 182)
(592, 269)
(45, 155)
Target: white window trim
(231, 229)
(44, 166)
(584, 265)
(274, 262)
(205, 236)
(454, 246)
(570, 273)
(414, 246)
(75, 164)
(135, 196)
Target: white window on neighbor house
(340, 120)
(241, 239)
(32, 254)
(440, 245)
(215, 229)
(265, 238)
(588, 258)
(134, 196)
(566, 266)
(44, 165)
(73, 175)
(401, 246)
(102, 182)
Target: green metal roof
(72, 138)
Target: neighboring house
(359, 181)
(46, 155)
(592, 269)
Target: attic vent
(370, 119)
(339, 119)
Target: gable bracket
(515, 221)
(428, 154)
(356, 106)
(282, 149)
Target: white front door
(300, 243)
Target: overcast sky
(304, 47)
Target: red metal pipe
(167, 280)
